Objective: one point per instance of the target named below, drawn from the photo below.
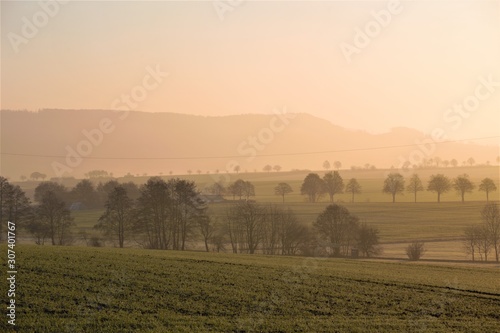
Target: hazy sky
(262, 55)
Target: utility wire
(239, 156)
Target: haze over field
(155, 143)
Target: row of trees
(395, 184)
(332, 183)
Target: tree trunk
(439, 197)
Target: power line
(239, 156)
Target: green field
(74, 289)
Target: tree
(454, 163)
(462, 185)
(337, 226)
(353, 187)
(268, 168)
(217, 188)
(471, 240)
(85, 193)
(277, 168)
(491, 217)
(439, 184)
(37, 175)
(337, 165)
(446, 163)
(207, 229)
(326, 165)
(54, 218)
(244, 223)
(248, 190)
(313, 186)
(471, 161)
(487, 185)
(283, 189)
(333, 184)
(117, 219)
(367, 240)
(57, 189)
(14, 205)
(415, 185)
(394, 184)
(237, 168)
(415, 250)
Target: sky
(371, 65)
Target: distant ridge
(227, 140)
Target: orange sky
(262, 56)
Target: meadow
(79, 289)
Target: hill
(73, 289)
(73, 142)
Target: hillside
(197, 143)
(126, 290)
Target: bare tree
(277, 168)
(471, 161)
(454, 163)
(337, 164)
(439, 184)
(471, 240)
(337, 226)
(415, 251)
(245, 222)
(333, 184)
(207, 229)
(53, 216)
(415, 185)
(462, 185)
(117, 219)
(282, 189)
(313, 186)
(353, 187)
(487, 185)
(394, 184)
(491, 217)
(326, 165)
(367, 240)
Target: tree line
(314, 186)
(172, 215)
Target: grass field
(74, 289)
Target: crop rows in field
(111, 290)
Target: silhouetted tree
(338, 227)
(283, 189)
(367, 240)
(37, 175)
(462, 185)
(267, 168)
(415, 250)
(337, 165)
(245, 223)
(237, 168)
(326, 165)
(491, 217)
(439, 184)
(116, 221)
(14, 205)
(415, 185)
(353, 187)
(394, 184)
(487, 185)
(277, 168)
(52, 216)
(454, 163)
(333, 184)
(85, 193)
(313, 186)
(471, 161)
